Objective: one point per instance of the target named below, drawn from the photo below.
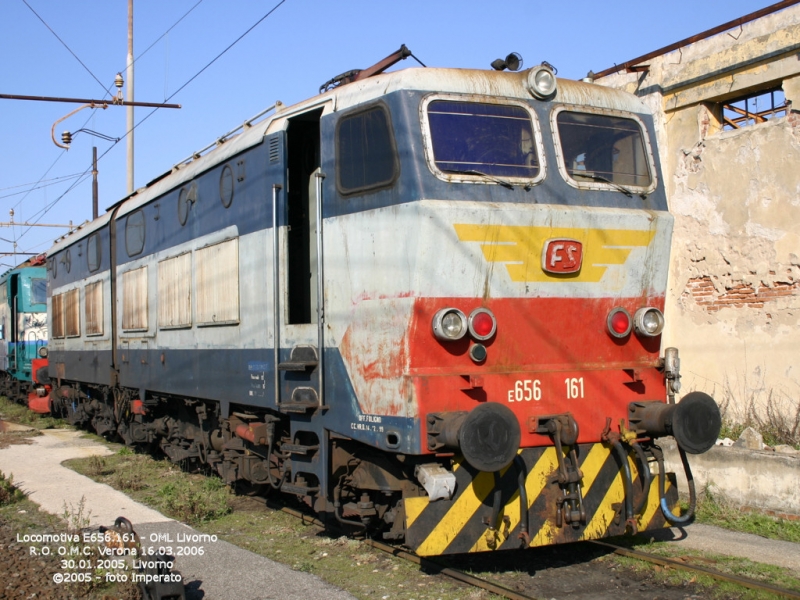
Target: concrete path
(707, 538)
(222, 571)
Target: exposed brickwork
(738, 295)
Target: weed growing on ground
(9, 493)
(773, 413)
(96, 465)
(76, 517)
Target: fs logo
(562, 256)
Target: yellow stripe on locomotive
(472, 521)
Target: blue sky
(286, 57)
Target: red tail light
(482, 324)
(619, 322)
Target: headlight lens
(541, 82)
(453, 325)
(648, 322)
(42, 351)
(449, 324)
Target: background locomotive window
(134, 233)
(94, 308)
(72, 312)
(475, 138)
(217, 273)
(38, 291)
(67, 259)
(226, 186)
(57, 324)
(186, 200)
(93, 252)
(596, 147)
(365, 152)
(175, 292)
(52, 266)
(134, 300)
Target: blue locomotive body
(290, 309)
(23, 326)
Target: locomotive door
(297, 322)
(298, 315)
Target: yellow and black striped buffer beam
(463, 523)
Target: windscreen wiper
(486, 176)
(616, 186)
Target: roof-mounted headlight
(542, 82)
(449, 325)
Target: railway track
(719, 576)
(505, 592)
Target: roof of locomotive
(458, 81)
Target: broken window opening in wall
(757, 107)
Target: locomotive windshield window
(482, 139)
(603, 148)
(365, 152)
(134, 233)
(38, 291)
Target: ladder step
(300, 359)
(297, 366)
(299, 448)
(300, 490)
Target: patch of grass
(129, 476)
(196, 502)
(17, 413)
(9, 493)
(715, 509)
(190, 498)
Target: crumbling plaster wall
(733, 305)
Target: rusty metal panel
(218, 283)
(134, 299)
(72, 312)
(94, 308)
(175, 292)
(58, 316)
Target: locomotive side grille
(274, 149)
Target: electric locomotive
(23, 332)
(427, 303)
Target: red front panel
(549, 356)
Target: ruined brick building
(727, 106)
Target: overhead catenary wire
(63, 43)
(82, 177)
(48, 182)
